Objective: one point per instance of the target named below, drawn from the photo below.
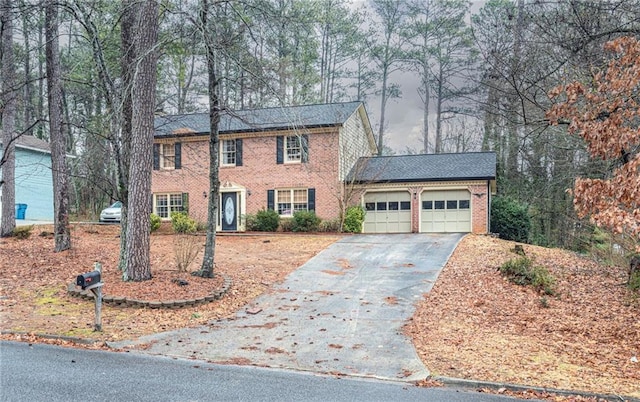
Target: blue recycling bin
(21, 210)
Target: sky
(403, 115)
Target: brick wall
(258, 174)
(479, 208)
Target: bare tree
(206, 270)
(8, 99)
(388, 55)
(141, 159)
(59, 172)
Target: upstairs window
(167, 156)
(292, 149)
(228, 150)
(231, 152)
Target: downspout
(489, 207)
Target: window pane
(175, 203)
(168, 155)
(381, 206)
(452, 204)
(439, 204)
(393, 205)
(300, 200)
(293, 150)
(427, 204)
(284, 202)
(463, 204)
(284, 195)
(161, 205)
(228, 152)
(405, 205)
(370, 206)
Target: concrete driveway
(341, 313)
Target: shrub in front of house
(305, 221)
(182, 223)
(266, 220)
(510, 219)
(155, 222)
(286, 225)
(353, 219)
(329, 225)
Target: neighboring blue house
(34, 184)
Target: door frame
(241, 205)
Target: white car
(112, 214)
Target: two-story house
(284, 158)
(318, 158)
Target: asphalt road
(50, 373)
(341, 312)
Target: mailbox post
(92, 281)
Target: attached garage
(430, 193)
(387, 212)
(443, 211)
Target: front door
(229, 211)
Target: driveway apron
(340, 313)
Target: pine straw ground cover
(477, 325)
(34, 280)
(474, 324)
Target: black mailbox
(88, 279)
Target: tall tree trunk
(214, 118)
(426, 94)
(513, 119)
(143, 105)
(383, 106)
(8, 162)
(123, 147)
(40, 132)
(59, 172)
(439, 101)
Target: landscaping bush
(266, 220)
(305, 221)
(510, 219)
(286, 225)
(155, 222)
(353, 219)
(182, 223)
(521, 271)
(330, 226)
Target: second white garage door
(387, 212)
(445, 211)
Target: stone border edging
(475, 384)
(168, 304)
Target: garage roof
(425, 167)
(267, 119)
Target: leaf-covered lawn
(474, 324)
(477, 325)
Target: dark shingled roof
(276, 118)
(30, 142)
(425, 167)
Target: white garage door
(387, 212)
(445, 211)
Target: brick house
(319, 158)
(286, 159)
(426, 193)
